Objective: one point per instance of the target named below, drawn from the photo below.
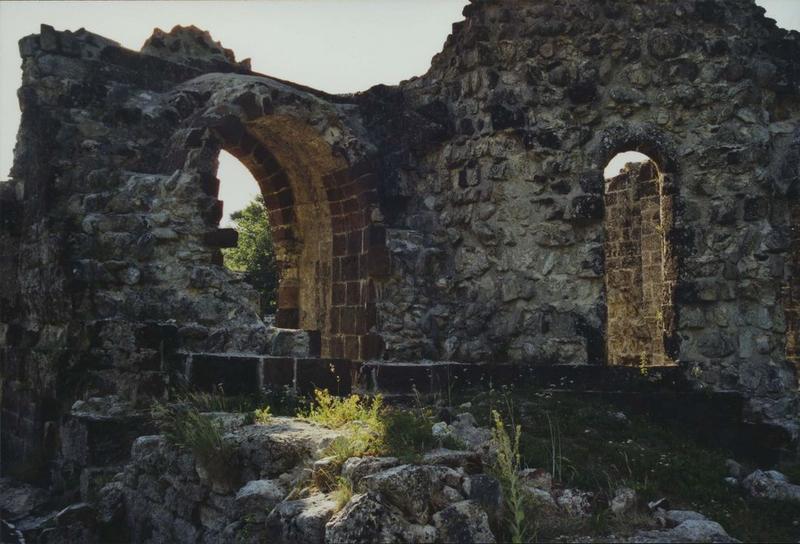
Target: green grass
(408, 434)
(579, 439)
(186, 427)
(217, 401)
(342, 493)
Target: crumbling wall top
(189, 45)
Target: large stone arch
(321, 198)
(112, 262)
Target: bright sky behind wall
(338, 46)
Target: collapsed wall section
(110, 239)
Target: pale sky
(337, 46)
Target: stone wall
(165, 494)
(503, 210)
(110, 233)
(458, 216)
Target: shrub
(263, 415)
(361, 418)
(254, 255)
(284, 401)
(335, 412)
(408, 434)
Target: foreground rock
(416, 490)
(692, 530)
(300, 521)
(463, 521)
(168, 496)
(771, 484)
(258, 497)
(356, 468)
(487, 492)
(19, 499)
(368, 517)
(624, 501)
(574, 502)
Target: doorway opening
(253, 257)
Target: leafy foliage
(408, 434)
(255, 254)
(337, 412)
(262, 416)
(362, 419)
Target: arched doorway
(639, 263)
(329, 246)
(289, 174)
(253, 257)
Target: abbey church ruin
(459, 222)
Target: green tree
(255, 255)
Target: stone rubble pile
(167, 494)
(762, 484)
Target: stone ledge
(427, 377)
(244, 373)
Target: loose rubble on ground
(266, 494)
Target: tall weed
(507, 467)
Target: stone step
(249, 373)
(99, 431)
(430, 377)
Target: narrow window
(639, 279)
(792, 292)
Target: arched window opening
(640, 275)
(792, 291)
(618, 163)
(253, 258)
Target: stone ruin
(458, 222)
